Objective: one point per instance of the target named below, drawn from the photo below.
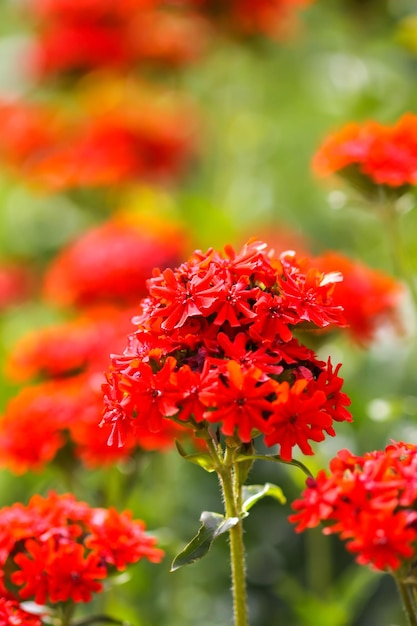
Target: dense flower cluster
(110, 263)
(370, 298)
(215, 345)
(370, 501)
(83, 36)
(386, 155)
(57, 549)
(12, 614)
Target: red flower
(274, 18)
(12, 614)
(119, 540)
(238, 399)
(385, 155)
(57, 412)
(63, 549)
(26, 131)
(141, 36)
(15, 284)
(370, 502)
(70, 347)
(111, 263)
(370, 298)
(132, 140)
(297, 418)
(202, 354)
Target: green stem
(66, 613)
(100, 619)
(232, 494)
(405, 592)
(399, 259)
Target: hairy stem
(232, 494)
(409, 607)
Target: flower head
(206, 352)
(12, 614)
(110, 263)
(369, 297)
(57, 549)
(369, 501)
(372, 153)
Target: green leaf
(213, 525)
(203, 460)
(253, 493)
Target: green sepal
(251, 494)
(203, 460)
(213, 525)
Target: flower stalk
(232, 495)
(407, 601)
(391, 218)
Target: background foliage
(264, 107)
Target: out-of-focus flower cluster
(383, 155)
(215, 345)
(123, 132)
(89, 35)
(83, 36)
(12, 614)
(369, 501)
(61, 409)
(59, 550)
(370, 298)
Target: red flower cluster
(273, 18)
(16, 284)
(111, 263)
(12, 614)
(215, 345)
(370, 501)
(26, 130)
(139, 137)
(369, 298)
(57, 549)
(82, 36)
(67, 406)
(386, 155)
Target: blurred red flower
(122, 133)
(89, 35)
(369, 501)
(57, 549)
(111, 263)
(16, 284)
(66, 349)
(12, 614)
(273, 18)
(384, 155)
(119, 146)
(27, 131)
(370, 298)
(90, 42)
(60, 416)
